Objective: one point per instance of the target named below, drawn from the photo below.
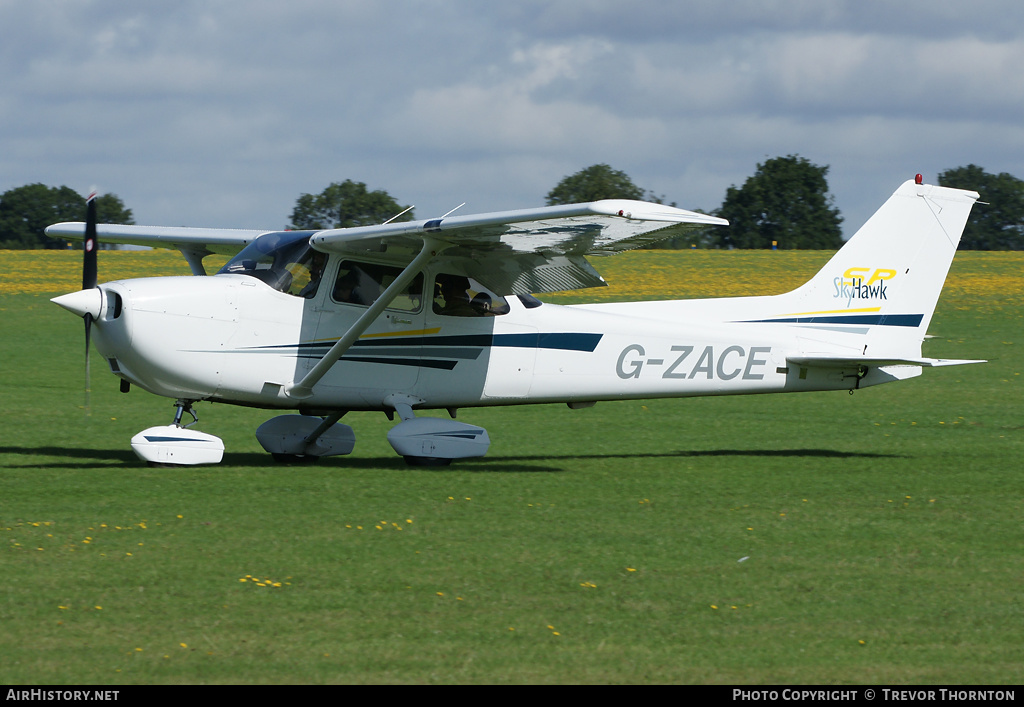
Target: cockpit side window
(284, 260)
(461, 296)
(363, 283)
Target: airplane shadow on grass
(82, 459)
(520, 463)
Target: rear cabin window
(461, 296)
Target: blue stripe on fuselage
(904, 320)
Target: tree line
(25, 211)
(785, 204)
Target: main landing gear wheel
(432, 441)
(303, 439)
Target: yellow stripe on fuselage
(418, 332)
(415, 332)
(834, 311)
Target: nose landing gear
(177, 445)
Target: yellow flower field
(53, 272)
(977, 279)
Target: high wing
(511, 252)
(529, 250)
(194, 243)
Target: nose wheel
(177, 445)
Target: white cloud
(222, 114)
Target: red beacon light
(918, 179)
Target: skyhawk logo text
(852, 286)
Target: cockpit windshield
(284, 260)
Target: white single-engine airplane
(440, 314)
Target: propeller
(89, 265)
(89, 278)
(88, 302)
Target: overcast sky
(222, 112)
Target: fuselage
(233, 338)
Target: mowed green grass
(815, 538)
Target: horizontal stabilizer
(850, 361)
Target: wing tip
(650, 211)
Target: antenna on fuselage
(454, 210)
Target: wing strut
(304, 388)
(194, 257)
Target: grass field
(815, 538)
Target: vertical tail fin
(888, 276)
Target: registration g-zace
(442, 315)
